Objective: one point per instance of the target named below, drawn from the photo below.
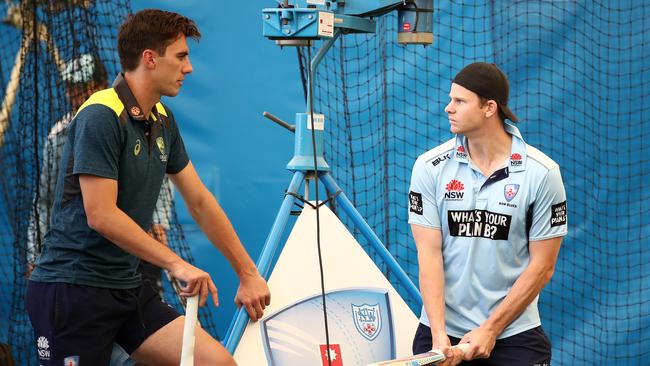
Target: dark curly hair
(151, 29)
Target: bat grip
(189, 331)
(463, 347)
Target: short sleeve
(549, 218)
(97, 141)
(422, 206)
(178, 158)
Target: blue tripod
(302, 166)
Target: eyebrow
(182, 53)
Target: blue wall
(239, 154)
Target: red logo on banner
(335, 353)
(407, 26)
(455, 185)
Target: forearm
(215, 224)
(120, 229)
(432, 287)
(523, 292)
(431, 275)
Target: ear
(149, 59)
(491, 108)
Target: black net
(48, 48)
(579, 84)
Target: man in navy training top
(85, 292)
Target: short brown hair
(151, 29)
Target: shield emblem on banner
(367, 319)
(361, 333)
(510, 191)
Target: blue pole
(314, 63)
(372, 238)
(238, 324)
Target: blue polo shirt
(486, 225)
(109, 137)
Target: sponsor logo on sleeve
(460, 152)
(454, 190)
(516, 160)
(440, 159)
(415, 202)
(479, 223)
(558, 214)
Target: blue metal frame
(370, 235)
(238, 323)
(300, 168)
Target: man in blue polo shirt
(488, 213)
(85, 292)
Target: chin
(171, 93)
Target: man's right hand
(440, 340)
(196, 282)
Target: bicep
(427, 240)
(97, 192)
(544, 253)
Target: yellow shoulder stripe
(107, 97)
(161, 109)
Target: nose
(187, 68)
(448, 108)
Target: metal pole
(238, 324)
(372, 238)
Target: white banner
(367, 320)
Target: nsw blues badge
(360, 330)
(510, 191)
(71, 361)
(367, 320)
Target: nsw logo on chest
(454, 190)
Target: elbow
(95, 220)
(195, 210)
(202, 204)
(547, 274)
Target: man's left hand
(253, 294)
(481, 342)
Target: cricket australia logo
(43, 348)
(161, 146)
(367, 320)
